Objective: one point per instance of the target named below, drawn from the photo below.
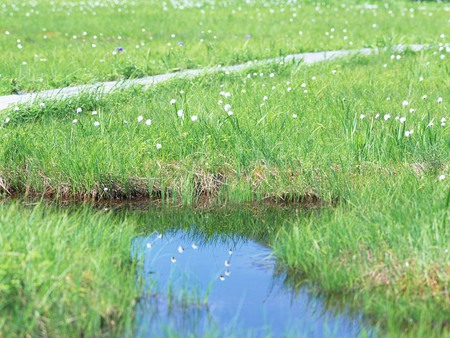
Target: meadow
(51, 44)
(358, 147)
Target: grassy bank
(57, 44)
(278, 131)
(64, 273)
(386, 249)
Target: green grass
(259, 151)
(68, 43)
(64, 273)
(386, 250)
(335, 135)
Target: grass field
(363, 141)
(56, 44)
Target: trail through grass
(58, 44)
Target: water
(226, 287)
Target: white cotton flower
(96, 124)
(42, 105)
(387, 117)
(439, 100)
(148, 122)
(194, 118)
(220, 102)
(75, 121)
(180, 113)
(158, 146)
(408, 133)
(265, 98)
(79, 110)
(173, 101)
(227, 107)
(421, 79)
(16, 108)
(140, 118)
(377, 116)
(289, 89)
(441, 177)
(412, 110)
(94, 113)
(294, 116)
(334, 71)
(424, 97)
(405, 103)
(362, 116)
(402, 119)
(7, 120)
(230, 113)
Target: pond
(227, 285)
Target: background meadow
(51, 44)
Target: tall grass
(305, 141)
(64, 273)
(387, 248)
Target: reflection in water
(226, 287)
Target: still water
(224, 287)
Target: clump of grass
(64, 273)
(386, 249)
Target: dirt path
(106, 87)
